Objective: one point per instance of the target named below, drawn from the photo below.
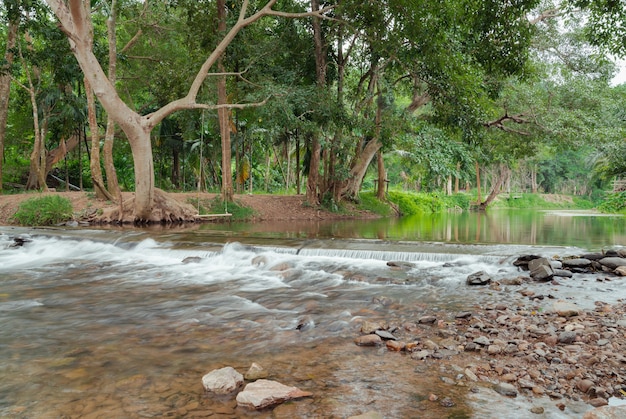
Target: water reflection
(558, 228)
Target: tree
(76, 23)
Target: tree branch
(499, 123)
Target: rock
(305, 323)
(562, 273)
(494, 349)
(576, 263)
(420, 354)
(506, 389)
(264, 393)
(540, 269)
(537, 410)
(222, 381)
(567, 337)
(482, 340)
(385, 335)
(400, 264)
(478, 278)
(427, 319)
(621, 271)
(613, 262)
(368, 340)
(523, 261)
(606, 412)
(192, 259)
(584, 385)
(470, 374)
(370, 327)
(598, 401)
(368, 415)
(394, 345)
(255, 372)
(566, 309)
(447, 402)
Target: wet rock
(222, 381)
(368, 415)
(259, 261)
(427, 320)
(478, 278)
(537, 410)
(192, 259)
(447, 402)
(621, 271)
(385, 335)
(523, 260)
(506, 389)
(514, 281)
(463, 315)
(368, 340)
(255, 372)
(394, 345)
(566, 309)
(606, 412)
(598, 401)
(305, 323)
(264, 393)
(576, 263)
(401, 265)
(470, 375)
(371, 327)
(420, 354)
(613, 262)
(562, 273)
(540, 269)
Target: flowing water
(124, 323)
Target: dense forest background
(318, 98)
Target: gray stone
(368, 415)
(576, 263)
(613, 263)
(385, 335)
(566, 309)
(255, 372)
(482, 340)
(563, 273)
(478, 278)
(540, 269)
(265, 393)
(567, 337)
(222, 381)
(506, 389)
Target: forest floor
(264, 207)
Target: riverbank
(262, 207)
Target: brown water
(113, 324)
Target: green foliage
(417, 203)
(540, 201)
(614, 203)
(369, 202)
(44, 211)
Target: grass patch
(540, 201)
(411, 203)
(216, 206)
(369, 202)
(43, 211)
(614, 202)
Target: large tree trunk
(313, 180)
(382, 177)
(112, 184)
(503, 173)
(224, 113)
(94, 160)
(5, 88)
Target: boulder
(613, 262)
(222, 381)
(478, 278)
(540, 269)
(576, 263)
(264, 393)
(621, 271)
(506, 389)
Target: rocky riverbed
(533, 344)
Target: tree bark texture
(5, 88)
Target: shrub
(44, 211)
(614, 202)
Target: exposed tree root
(165, 210)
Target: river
(123, 323)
